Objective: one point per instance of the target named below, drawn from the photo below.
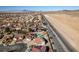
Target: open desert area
(67, 24)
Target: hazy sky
(38, 8)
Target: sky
(38, 8)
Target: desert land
(67, 24)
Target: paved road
(60, 45)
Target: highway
(60, 44)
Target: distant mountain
(27, 10)
(18, 11)
(70, 10)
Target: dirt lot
(67, 23)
